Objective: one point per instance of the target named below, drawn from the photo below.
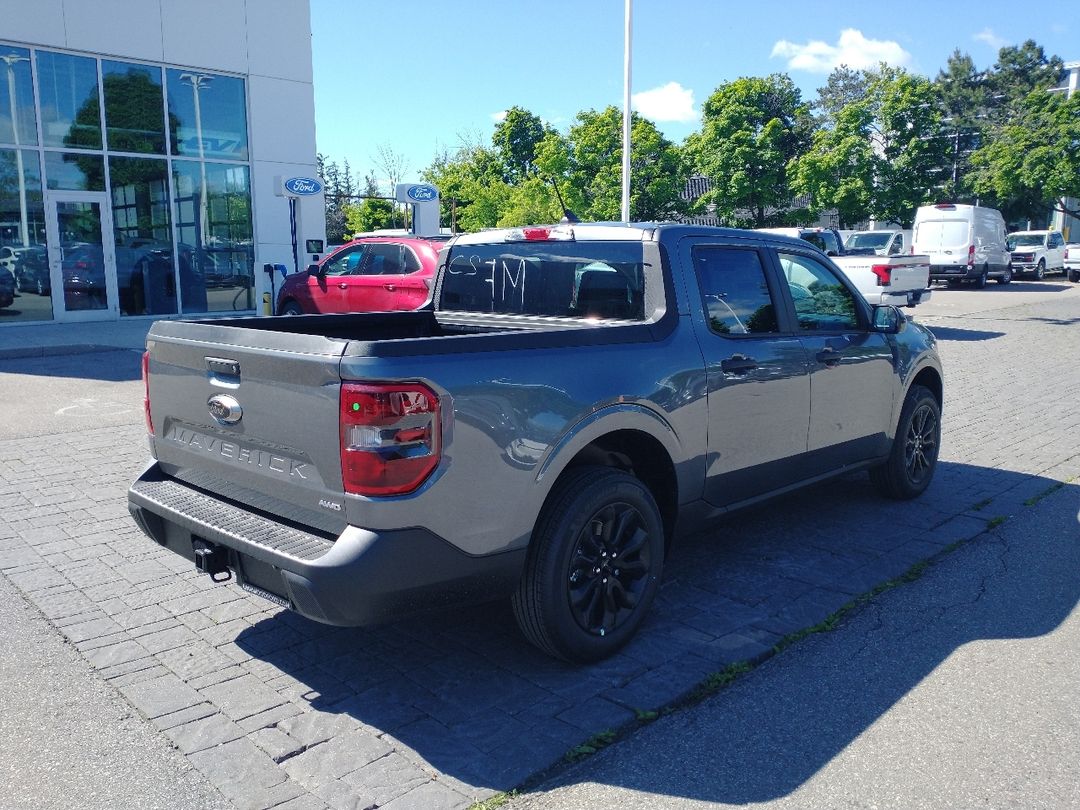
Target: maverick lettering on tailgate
(237, 453)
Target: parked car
(827, 240)
(1037, 252)
(369, 274)
(964, 243)
(1072, 261)
(575, 397)
(83, 270)
(7, 288)
(32, 270)
(880, 242)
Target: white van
(882, 241)
(963, 242)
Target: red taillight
(945, 207)
(971, 255)
(146, 392)
(883, 273)
(390, 437)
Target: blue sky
(423, 75)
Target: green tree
(844, 86)
(751, 129)
(909, 149)
(1019, 70)
(1033, 162)
(371, 213)
(471, 185)
(963, 96)
(516, 139)
(838, 169)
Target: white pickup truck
(902, 281)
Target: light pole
(199, 81)
(10, 60)
(626, 115)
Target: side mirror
(888, 319)
(313, 269)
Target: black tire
(41, 290)
(1007, 277)
(953, 283)
(291, 308)
(980, 280)
(1040, 270)
(914, 454)
(1074, 276)
(593, 566)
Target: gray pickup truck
(571, 399)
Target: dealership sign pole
(626, 117)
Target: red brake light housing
(971, 255)
(146, 392)
(883, 273)
(390, 437)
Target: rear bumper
(360, 577)
(905, 298)
(957, 271)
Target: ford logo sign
(225, 409)
(303, 186)
(423, 193)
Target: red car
(369, 274)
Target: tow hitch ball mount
(212, 559)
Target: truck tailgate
(273, 443)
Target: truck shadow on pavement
(464, 692)
(97, 363)
(950, 333)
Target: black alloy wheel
(609, 568)
(1040, 270)
(921, 444)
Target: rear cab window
(584, 279)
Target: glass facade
(161, 155)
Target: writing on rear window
(602, 280)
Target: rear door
(279, 449)
(758, 381)
(375, 287)
(852, 378)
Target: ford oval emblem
(225, 409)
(423, 193)
(303, 186)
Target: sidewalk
(47, 339)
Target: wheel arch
(643, 444)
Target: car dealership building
(143, 148)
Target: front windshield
(1025, 240)
(868, 240)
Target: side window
(832, 246)
(897, 246)
(1056, 240)
(412, 264)
(382, 260)
(345, 262)
(822, 302)
(734, 291)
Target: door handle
(389, 287)
(738, 364)
(342, 285)
(829, 357)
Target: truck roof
(605, 231)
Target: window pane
(144, 255)
(822, 303)
(345, 262)
(70, 107)
(134, 118)
(737, 299)
(382, 260)
(16, 71)
(70, 171)
(24, 265)
(604, 280)
(207, 115)
(214, 229)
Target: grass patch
(595, 743)
(1034, 499)
(494, 802)
(985, 502)
(994, 522)
(645, 716)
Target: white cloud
(672, 102)
(498, 117)
(988, 36)
(852, 49)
